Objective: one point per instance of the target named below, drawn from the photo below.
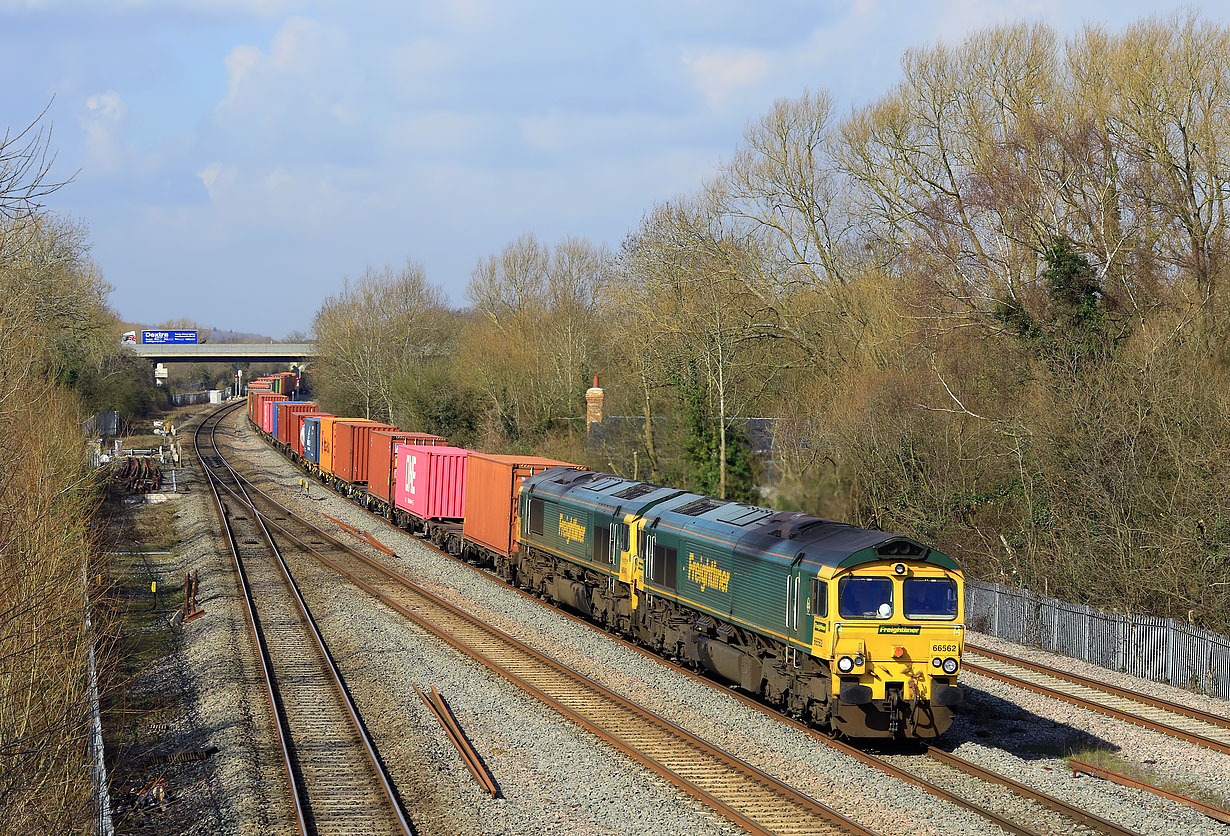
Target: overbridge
(225, 352)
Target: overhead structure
(225, 352)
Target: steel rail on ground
(1071, 811)
(1125, 693)
(299, 793)
(1057, 692)
(262, 652)
(1102, 772)
(570, 692)
(968, 767)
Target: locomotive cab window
(537, 512)
(819, 592)
(930, 598)
(865, 598)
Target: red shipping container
(492, 484)
(351, 440)
(296, 431)
(267, 411)
(382, 467)
(286, 421)
(431, 481)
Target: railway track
(1163, 716)
(335, 780)
(1008, 804)
(752, 799)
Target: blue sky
(236, 159)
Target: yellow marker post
(153, 587)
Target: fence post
(1054, 623)
(995, 630)
(1120, 661)
(1085, 652)
(1169, 670)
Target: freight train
(853, 630)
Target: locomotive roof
(784, 535)
(603, 490)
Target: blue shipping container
(311, 439)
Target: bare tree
(25, 168)
(374, 332)
(540, 312)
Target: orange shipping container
(382, 466)
(491, 497)
(325, 463)
(286, 418)
(328, 440)
(351, 441)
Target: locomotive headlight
(936, 662)
(858, 661)
(845, 664)
(950, 666)
(899, 568)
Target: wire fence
(1160, 649)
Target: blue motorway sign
(166, 337)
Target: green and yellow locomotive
(852, 629)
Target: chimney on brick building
(593, 405)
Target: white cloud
(306, 63)
(241, 61)
(210, 175)
(421, 68)
(103, 125)
(720, 73)
(441, 131)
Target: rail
(735, 789)
(1072, 812)
(302, 799)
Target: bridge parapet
(225, 352)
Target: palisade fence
(188, 398)
(1160, 649)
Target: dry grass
(45, 505)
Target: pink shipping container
(431, 481)
(382, 467)
(267, 411)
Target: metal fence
(188, 398)
(105, 424)
(1160, 649)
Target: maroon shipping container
(351, 442)
(382, 466)
(296, 428)
(286, 421)
(431, 481)
(492, 484)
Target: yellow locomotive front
(892, 633)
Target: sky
(235, 160)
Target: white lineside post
(102, 794)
